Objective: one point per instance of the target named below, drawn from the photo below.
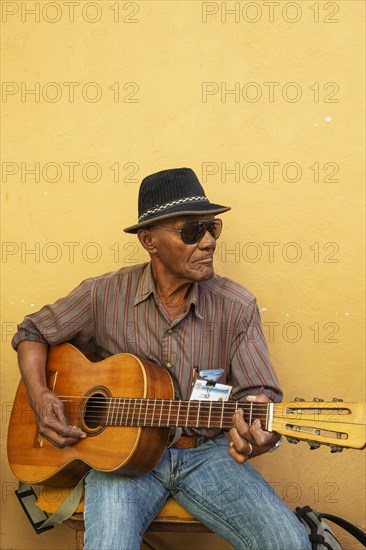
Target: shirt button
(169, 330)
(169, 365)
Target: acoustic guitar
(126, 407)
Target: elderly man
(176, 312)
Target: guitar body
(122, 449)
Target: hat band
(169, 204)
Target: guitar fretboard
(167, 413)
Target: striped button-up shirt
(121, 312)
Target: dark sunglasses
(193, 232)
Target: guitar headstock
(334, 423)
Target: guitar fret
(161, 411)
(251, 414)
(209, 416)
(133, 413)
(198, 414)
(123, 410)
(170, 408)
(189, 403)
(179, 402)
(205, 413)
(117, 400)
(266, 426)
(113, 411)
(146, 409)
(138, 419)
(118, 411)
(128, 409)
(222, 414)
(153, 413)
(108, 413)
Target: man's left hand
(250, 441)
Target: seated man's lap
(232, 499)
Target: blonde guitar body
(128, 450)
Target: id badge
(205, 391)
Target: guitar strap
(36, 516)
(176, 433)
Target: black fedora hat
(171, 193)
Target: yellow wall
(149, 81)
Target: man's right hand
(49, 410)
(52, 423)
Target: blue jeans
(231, 499)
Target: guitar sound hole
(95, 411)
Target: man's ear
(147, 240)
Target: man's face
(185, 262)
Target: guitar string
(298, 403)
(324, 405)
(151, 401)
(119, 403)
(131, 421)
(229, 408)
(220, 423)
(193, 409)
(216, 416)
(213, 423)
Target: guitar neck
(336, 424)
(193, 414)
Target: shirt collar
(146, 287)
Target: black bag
(320, 534)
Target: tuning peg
(335, 399)
(313, 445)
(317, 399)
(336, 449)
(299, 399)
(293, 440)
